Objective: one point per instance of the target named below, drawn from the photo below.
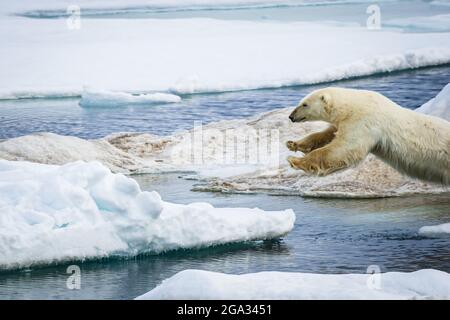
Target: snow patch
(203, 285)
(103, 98)
(81, 210)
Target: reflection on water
(126, 279)
(330, 236)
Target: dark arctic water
(330, 236)
(64, 116)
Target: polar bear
(363, 122)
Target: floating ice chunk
(198, 284)
(438, 106)
(91, 98)
(81, 210)
(436, 231)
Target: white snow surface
(203, 285)
(103, 98)
(80, 210)
(435, 231)
(197, 55)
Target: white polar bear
(363, 122)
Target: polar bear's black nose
(291, 117)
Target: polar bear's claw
(291, 145)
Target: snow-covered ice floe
(50, 148)
(103, 98)
(441, 230)
(81, 210)
(196, 55)
(202, 285)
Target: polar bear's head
(315, 106)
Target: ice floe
(435, 231)
(202, 285)
(81, 210)
(103, 98)
(144, 55)
(49, 148)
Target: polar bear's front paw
(304, 147)
(291, 145)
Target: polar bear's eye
(304, 105)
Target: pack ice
(81, 210)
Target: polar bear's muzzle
(293, 119)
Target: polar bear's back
(413, 143)
(418, 146)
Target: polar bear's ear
(325, 97)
